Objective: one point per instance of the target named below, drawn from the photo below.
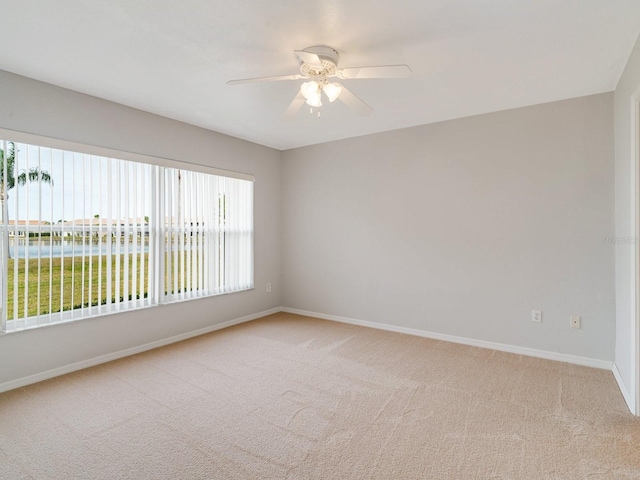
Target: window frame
(67, 316)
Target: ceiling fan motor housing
(328, 57)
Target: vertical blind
(84, 235)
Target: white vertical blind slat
(174, 194)
(27, 231)
(175, 233)
(157, 235)
(194, 234)
(188, 225)
(118, 231)
(181, 197)
(82, 234)
(39, 233)
(5, 240)
(143, 233)
(201, 194)
(73, 239)
(127, 232)
(109, 240)
(62, 183)
(100, 241)
(91, 228)
(134, 234)
(51, 155)
(15, 250)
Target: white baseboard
(530, 352)
(589, 362)
(623, 388)
(38, 377)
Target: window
(86, 234)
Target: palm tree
(33, 175)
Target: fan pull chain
(311, 112)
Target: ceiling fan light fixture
(318, 64)
(315, 100)
(309, 89)
(332, 91)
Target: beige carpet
(293, 397)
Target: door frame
(635, 252)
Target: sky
(83, 186)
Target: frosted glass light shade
(332, 90)
(309, 89)
(315, 101)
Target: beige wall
(462, 227)
(38, 108)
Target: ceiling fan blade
(382, 71)
(354, 102)
(310, 59)
(294, 107)
(266, 79)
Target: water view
(59, 247)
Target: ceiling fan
(320, 63)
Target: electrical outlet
(269, 287)
(536, 316)
(575, 321)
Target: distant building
(33, 225)
(101, 227)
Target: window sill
(72, 316)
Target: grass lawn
(65, 277)
(67, 283)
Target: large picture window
(84, 235)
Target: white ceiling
(173, 57)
